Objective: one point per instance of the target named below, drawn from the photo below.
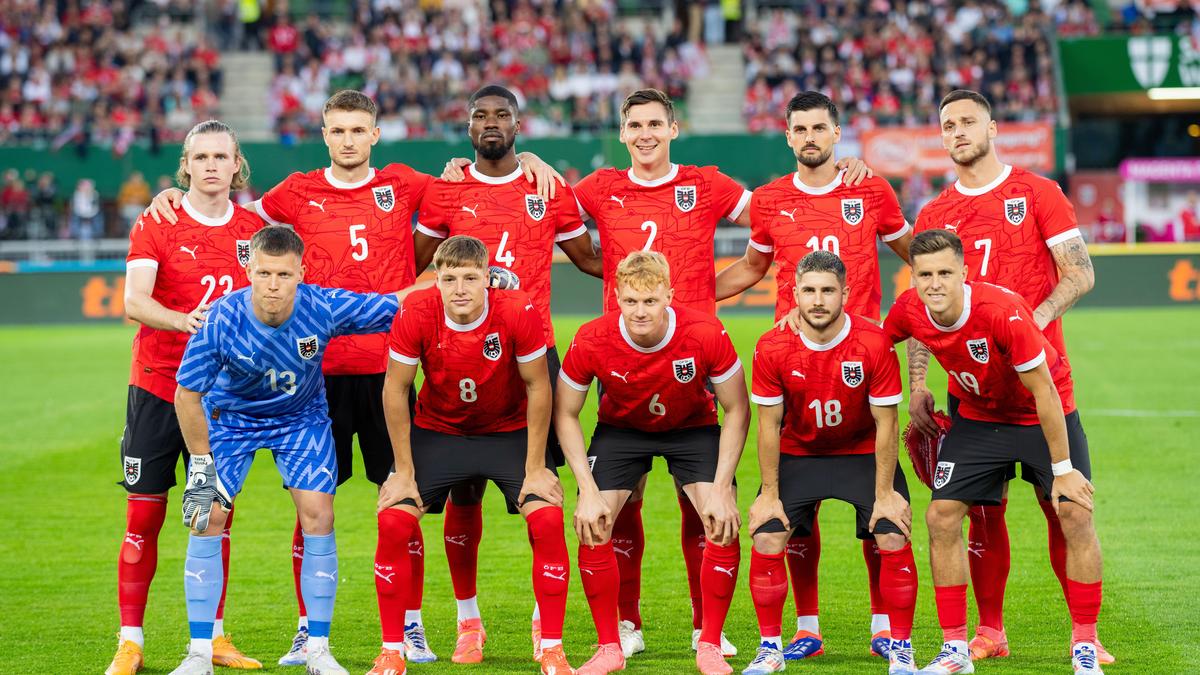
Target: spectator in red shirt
(1191, 224)
(283, 39)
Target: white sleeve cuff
(562, 375)
(1063, 236)
(430, 232)
(898, 233)
(766, 400)
(741, 206)
(583, 214)
(406, 360)
(582, 229)
(141, 262)
(737, 365)
(761, 248)
(531, 355)
(885, 400)
(262, 213)
(1031, 363)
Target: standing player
(482, 413)
(807, 211)
(655, 363)
(1018, 231)
(1016, 404)
(832, 388)
(249, 379)
(172, 276)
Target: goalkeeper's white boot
(632, 641)
(952, 660)
(321, 661)
(195, 663)
(297, 655)
(1085, 660)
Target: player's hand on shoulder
(397, 488)
(920, 410)
(856, 170)
(541, 483)
(790, 321)
(1075, 487)
(721, 516)
(453, 172)
(541, 174)
(503, 278)
(193, 321)
(592, 517)
(765, 509)
(163, 206)
(894, 507)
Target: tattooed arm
(1076, 277)
(920, 399)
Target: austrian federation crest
(133, 470)
(243, 252)
(685, 197)
(852, 373)
(535, 206)
(306, 347)
(978, 349)
(385, 198)
(941, 474)
(1014, 210)
(852, 211)
(491, 347)
(684, 369)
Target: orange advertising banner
(897, 152)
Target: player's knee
(890, 541)
(770, 543)
(316, 520)
(1076, 521)
(217, 518)
(944, 518)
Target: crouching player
(827, 429)
(251, 378)
(654, 363)
(482, 413)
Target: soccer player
(1016, 404)
(655, 363)
(827, 398)
(249, 379)
(172, 276)
(1018, 231)
(520, 228)
(812, 210)
(482, 413)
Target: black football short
(977, 458)
(356, 407)
(441, 461)
(619, 457)
(553, 449)
(806, 481)
(152, 444)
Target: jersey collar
(823, 190)
(671, 174)
(650, 350)
(342, 185)
(205, 220)
(837, 339)
(975, 192)
(468, 327)
(495, 180)
(962, 320)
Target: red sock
(144, 516)
(718, 579)
(297, 561)
(551, 568)
(874, 564)
(1084, 602)
(803, 557)
(898, 577)
(393, 570)
(629, 543)
(768, 590)
(598, 572)
(952, 611)
(1058, 544)
(988, 555)
(416, 561)
(691, 538)
(226, 544)
(462, 529)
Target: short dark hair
(932, 241)
(810, 100)
(351, 100)
(494, 90)
(644, 96)
(276, 240)
(966, 95)
(822, 261)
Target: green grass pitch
(63, 395)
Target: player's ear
(375, 135)
(992, 130)
(837, 133)
(674, 130)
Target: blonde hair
(240, 179)
(644, 271)
(461, 251)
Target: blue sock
(202, 579)
(318, 581)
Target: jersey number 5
(359, 244)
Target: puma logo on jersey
(723, 570)
(529, 307)
(1015, 317)
(954, 227)
(622, 377)
(190, 251)
(471, 210)
(320, 206)
(556, 577)
(322, 574)
(796, 373)
(790, 214)
(244, 357)
(619, 200)
(457, 540)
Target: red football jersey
(660, 388)
(995, 323)
(791, 220)
(357, 236)
(519, 227)
(1007, 229)
(827, 390)
(197, 260)
(472, 383)
(676, 215)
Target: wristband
(1061, 468)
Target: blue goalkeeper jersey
(256, 376)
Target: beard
(494, 151)
(972, 154)
(822, 323)
(813, 162)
